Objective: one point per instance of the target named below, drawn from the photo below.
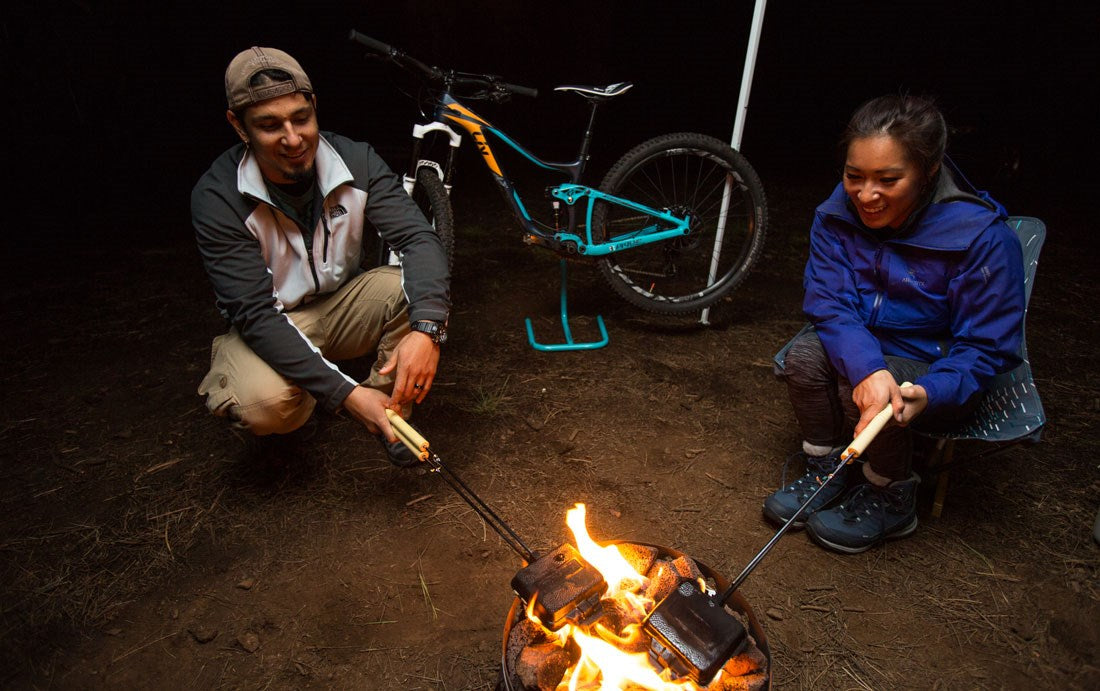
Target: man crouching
(281, 221)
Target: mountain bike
(675, 225)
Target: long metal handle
(858, 446)
(420, 447)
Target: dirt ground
(144, 546)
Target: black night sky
(118, 107)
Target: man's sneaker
(781, 505)
(869, 515)
(399, 454)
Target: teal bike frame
(666, 224)
(661, 224)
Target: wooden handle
(860, 443)
(408, 436)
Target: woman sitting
(914, 276)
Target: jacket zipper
(878, 288)
(275, 213)
(309, 249)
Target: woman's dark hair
(913, 121)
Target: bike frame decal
(472, 124)
(469, 120)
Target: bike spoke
(688, 182)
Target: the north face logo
(337, 211)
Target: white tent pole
(738, 130)
(746, 74)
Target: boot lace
(816, 470)
(869, 500)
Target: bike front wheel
(689, 175)
(431, 196)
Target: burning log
(542, 665)
(617, 617)
(641, 557)
(669, 575)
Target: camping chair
(1010, 413)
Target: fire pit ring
(506, 681)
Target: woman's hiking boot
(781, 505)
(867, 516)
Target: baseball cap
(239, 91)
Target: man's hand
(415, 358)
(368, 406)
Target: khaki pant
(366, 315)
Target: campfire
(628, 616)
(610, 649)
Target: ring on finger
(418, 386)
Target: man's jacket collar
(331, 172)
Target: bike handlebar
(437, 74)
(394, 54)
(375, 45)
(517, 89)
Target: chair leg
(946, 448)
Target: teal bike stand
(569, 344)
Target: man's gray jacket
(257, 258)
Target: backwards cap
(239, 91)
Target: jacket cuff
(933, 388)
(417, 313)
(335, 402)
(857, 372)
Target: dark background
(117, 108)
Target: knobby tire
(686, 173)
(431, 196)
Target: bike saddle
(597, 93)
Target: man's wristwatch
(437, 331)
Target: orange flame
(616, 570)
(604, 664)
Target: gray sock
(817, 450)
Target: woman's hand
(916, 400)
(873, 393)
(879, 388)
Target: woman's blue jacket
(947, 289)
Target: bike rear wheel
(687, 174)
(431, 196)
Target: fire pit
(615, 652)
(617, 616)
